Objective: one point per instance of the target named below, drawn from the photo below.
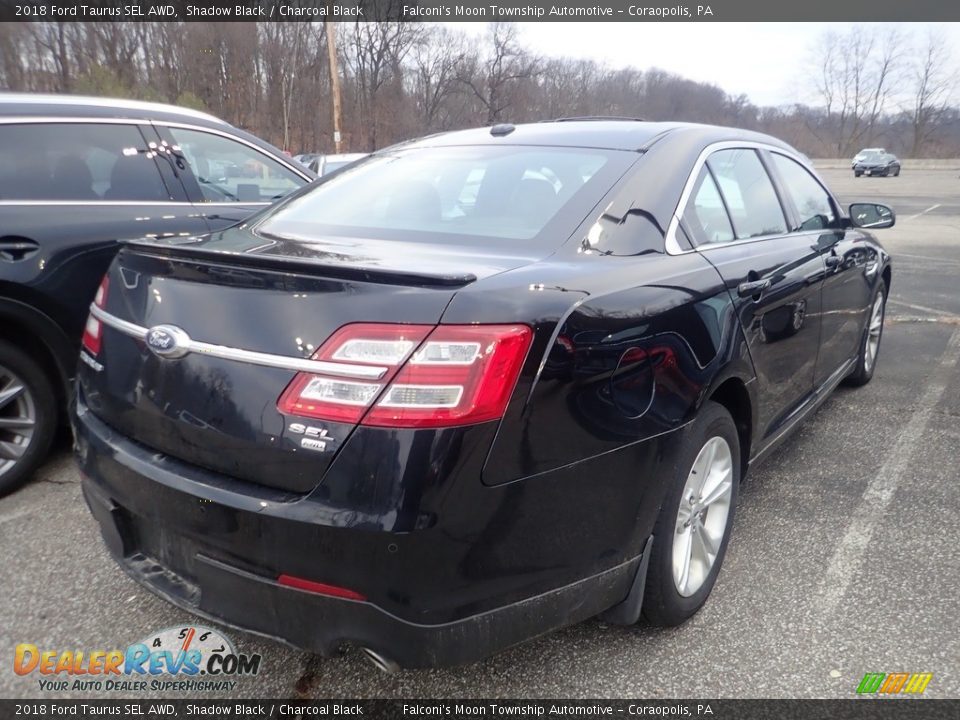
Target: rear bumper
(182, 533)
(319, 624)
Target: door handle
(833, 261)
(13, 248)
(753, 288)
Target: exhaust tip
(380, 662)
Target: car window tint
(77, 161)
(441, 194)
(705, 215)
(229, 171)
(811, 200)
(331, 166)
(753, 204)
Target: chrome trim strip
(127, 203)
(101, 203)
(116, 103)
(116, 323)
(671, 243)
(283, 362)
(68, 120)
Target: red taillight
(319, 588)
(329, 397)
(93, 330)
(459, 375)
(435, 377)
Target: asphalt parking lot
(843, 559)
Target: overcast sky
(766, 61)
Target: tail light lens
(93, 330)
(436, 377)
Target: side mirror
(872, 215)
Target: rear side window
(812, 202)
(748, 191)
(476, 195)
(706, 216)
(77, 161)
(229, 171)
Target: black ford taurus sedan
(876, 162)
(475, 388)
(78, 175)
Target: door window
(706, 216)
(78, 161)
(229, 171)
(813, 204)
(748, 191)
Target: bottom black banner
(457, 709)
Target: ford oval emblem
(168, 341)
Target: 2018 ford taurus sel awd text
(474, 388)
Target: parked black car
(475, 387)
(326, 164)
(76, 175)
(876, 162)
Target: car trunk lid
(249, 317)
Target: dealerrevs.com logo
(189, 658)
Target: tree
(375, 53)
(854, 75)
(506, 65)
(438, 59)
(934, 82)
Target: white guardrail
(906, 163)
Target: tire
(872, 332)
(896, 173)
(28, 416)
(857, 174)
(667, 600)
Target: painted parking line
(914, 306)
(940, 261)
(852, 547)
(923, 212)
(14, 515)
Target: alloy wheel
(702, 516)
(18, 419)
(874, 330)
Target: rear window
(450, 194)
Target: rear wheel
(870, 343)
(28, 416)
(693, 528)
(896, 173)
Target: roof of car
(615, 134)
(34, 104)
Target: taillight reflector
(319, 588)
(93, 330)
(436, 376)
